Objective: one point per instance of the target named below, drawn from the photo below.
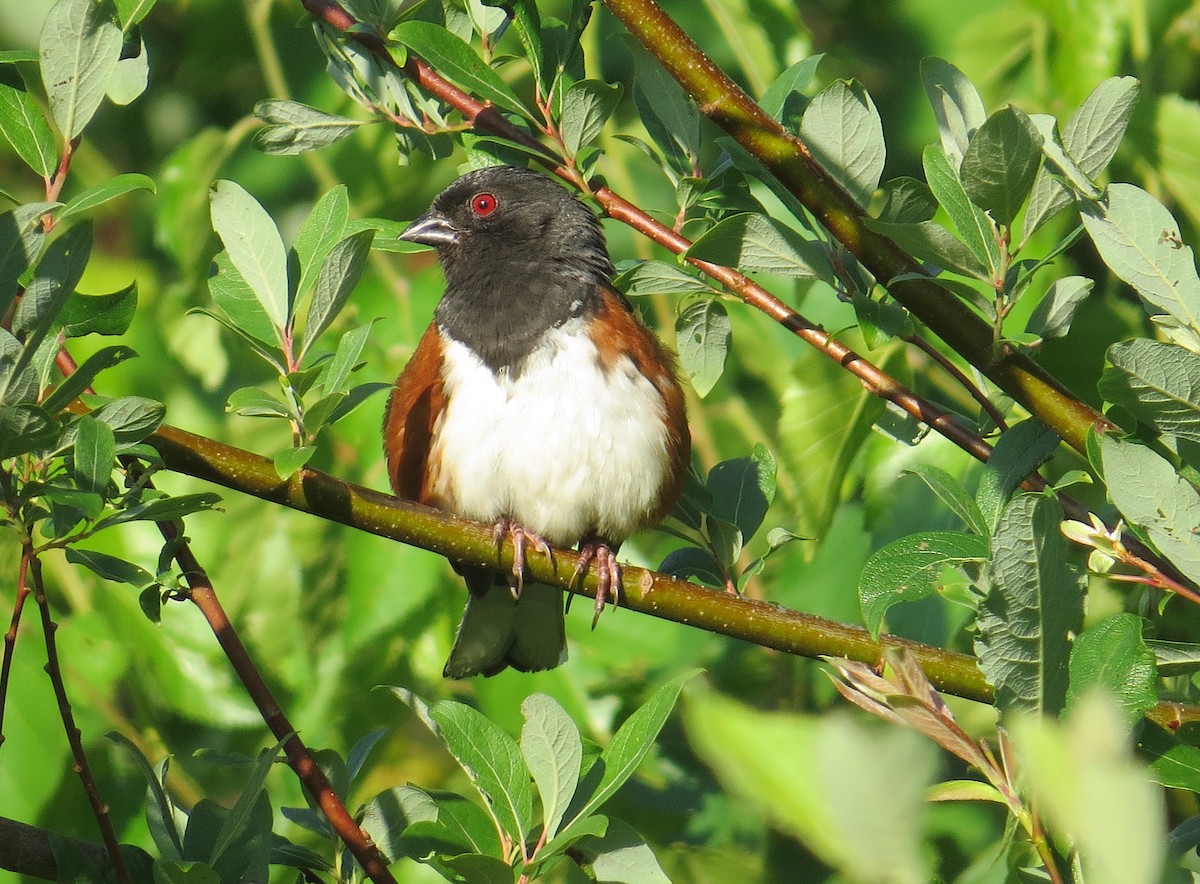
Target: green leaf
(1159, 384)
(620, 856)
(95, 450)
(752, 242)
(1018, 452)
(842, 130)
(669, 115)
(1053, 315)
(345, 358)
(163, 509)
(1173, 763)
(658, 278)
(528, 26)
(335, 283)
(492, 760)
(691, 561)
(26, 129)
(586, 107)
(130, 12)
(551, 747)
(24, 427)
(1112, 655)
(457, 62)
(21, 239)
(55, 279)
(1140, 242)
(782, 96)
(930, 241)
(160, 811)
(353, 398)
(1093, 792)
(253, 402)
(294, 128)
(241, 819)
(132, 418)
(324, 228)
(1034, 604)
(907, 200)
(131, 75)
(252, 242)
(1175, 658)
(911, 568)
(629, 746)
(79, 49)
(110, 567)
(880, 321)
(956, 104)
(80, 379)
(742, 489)
(1090, 138)
(109, 314)
(703, 334)
(243, 311)
(953, 494)
(853, 794)
(1150, 494)
(290, 460)
(392, 811)
(18, 56)
(972, 224)
(1000, 163)
(104, 192)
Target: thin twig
(786, 156)
(74, 735)
(955, 372)
(298, 757)
(10, 638)
(651, 592)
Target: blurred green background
(329, 613)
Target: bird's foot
(521, 539)
(608, 574)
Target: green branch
(785, 155)
(649, 592)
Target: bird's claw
(608, 575)
(520, 539)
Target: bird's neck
(501, 313)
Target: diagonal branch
(650, 592)
(486, 117)
(74, 735)
(1058, 409)
(299, 759)
(786, 157)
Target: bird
(536, 401)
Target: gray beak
(431, 229)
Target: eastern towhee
(537, 401)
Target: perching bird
(537, 401)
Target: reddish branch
(74, 735)
(486, 117)
(1020, 377)
(10, 638)
(299, 758)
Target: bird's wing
(412, 413)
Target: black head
(521, 255)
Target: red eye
(483, 204)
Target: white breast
(565, 449)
